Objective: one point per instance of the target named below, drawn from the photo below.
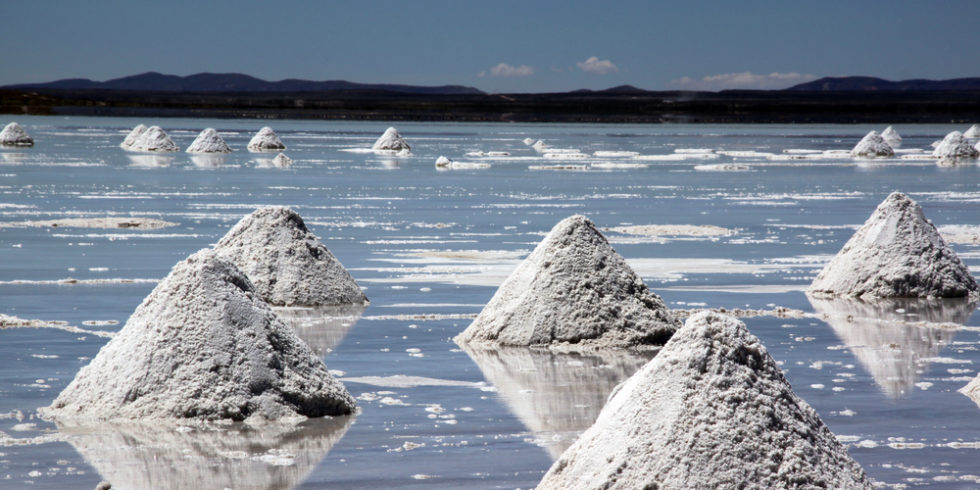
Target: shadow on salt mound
(150, 161)
(895, 338)
(555, 395)
(711, 410)
(205, 456)
(323, 328)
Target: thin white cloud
(597, 66)
(744, 80)
(505, 70)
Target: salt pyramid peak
(208, 141)
(711, 410)
(14, 135)
(973, 132)
(573, 291)
(896, 253)
(203, 345)
(872, 145)
(391, 140)
(154, 139)
(132, 137)
(955, 146)
(892, 137)
(282, 161)
(265, 140)
(288, 264)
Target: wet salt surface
(430, 247)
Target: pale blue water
(889, 392)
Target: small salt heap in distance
(265, 140)
(14, 135)
(282, 161)
(153, 139)
(209, 141)
(288, 264)
(897, 253)
(391, 141)
(573, 292)
(203, 345)
(955, 147)
(711, 410)
(872, 145)
(973, 132)
(892, 137)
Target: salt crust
(208, 141)
(202, 345)
(14, 135)
(892, 137)
(872, 145)
(265, 140)
(154, 139)
(288, 264)
(955, 146)
(711, 410)
(443, 163)
(132, 137)
(573, 292)
(132, 222)
(896, 253)
(973, 132)
(391, 140)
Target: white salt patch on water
(722, 167)
(672, 230)
(406, 381)
(615, 153)
(70, 281)
(575, 168)
(613, 165)
(129, 223)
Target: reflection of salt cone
(555, 395)
(208, 160)
(235, 456)
(324, 327)
(150, 161)
(892, 337)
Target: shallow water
(429, 247)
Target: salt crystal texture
(154, 139)
(872, 145)
(955, 146)
(391, 140)
(209, 141)
(896, 253)
(14, 135)
(288, 264)
(711, 410)
(132, 137)
(573, 291)
(892, 137)
(265, 140)
(203, 345)
(973, 132)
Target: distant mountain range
(234, 82)
(871, 84)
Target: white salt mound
(443, 162)
(528, 141)
(265, 140)
(711, 410)
(892, 137)
(203, 345)
(282, 161)
(154, 139)
(972, 390)
(573, 291)
(897, 253)
(209, 141)
(973, 132)
(288, 264)
(132, 137)
(955, 146)
(872, 145)
(391, 140)
(14, 135)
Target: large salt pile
(954, 146)
(209, 141)
(712, 410)
(203, 345)
(265, 140)
(872, 145)
(897, 253)
(152, 140)
(288, 264)
(133, 137)
(391, 140)
(892, 137)
(573, 291)
(14, 135)
(973, 132)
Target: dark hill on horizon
(872, 84)
(234, 83)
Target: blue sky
(497, 46)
